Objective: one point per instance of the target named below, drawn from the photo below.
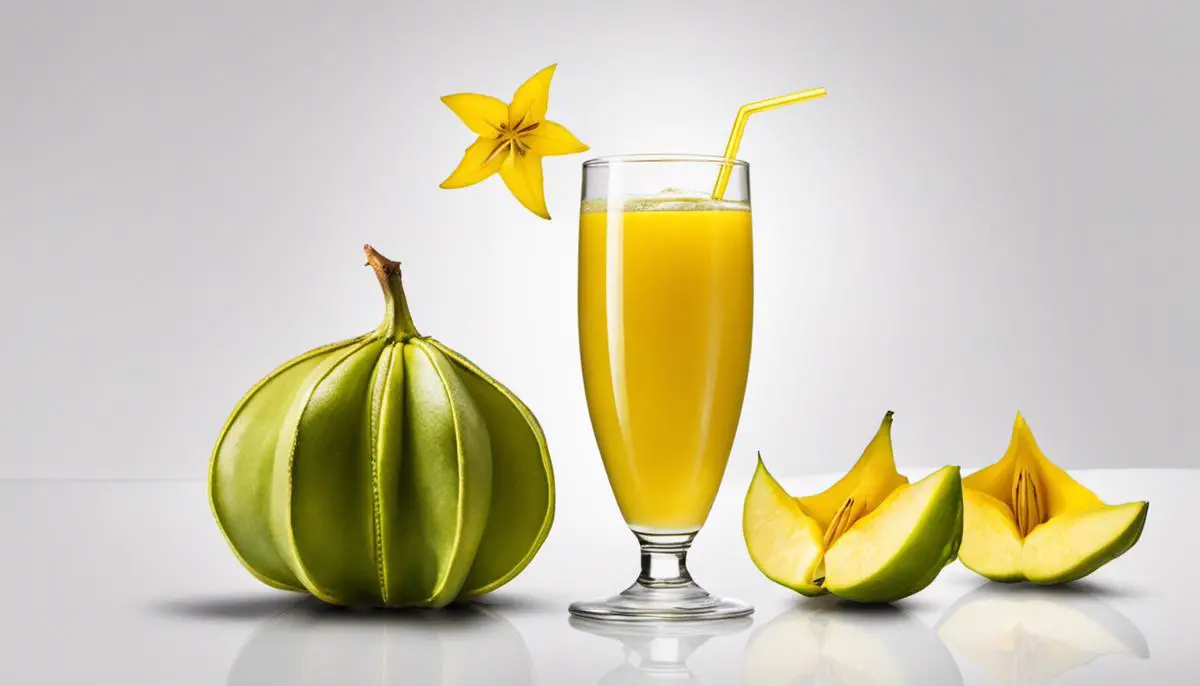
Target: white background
(995, 208)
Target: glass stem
(664, 559)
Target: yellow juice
(665, 308)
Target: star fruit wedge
(872, 537)
(1027, 520)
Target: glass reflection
(1031, 635)
(315, 643)
(839, 643)
(657, 652)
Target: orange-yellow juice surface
(665, 306)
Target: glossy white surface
(129, 582)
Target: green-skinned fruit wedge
(872, 537)
(1026, 519)
(385, 470)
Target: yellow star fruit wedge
(872, 537)
(512, 140)
(1027, 520)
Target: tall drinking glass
(665, 303)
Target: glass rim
(661, 158)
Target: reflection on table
(1029, 635)
(833, 642)
(314, 643)
(657, 652)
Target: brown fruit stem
(397, 322)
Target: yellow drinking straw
(739, 125)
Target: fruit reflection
(657, 653)
(842, 643)
(1033, 636)
(313, 643)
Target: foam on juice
(669, 200)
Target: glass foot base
(643, 603)
(664, 591)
